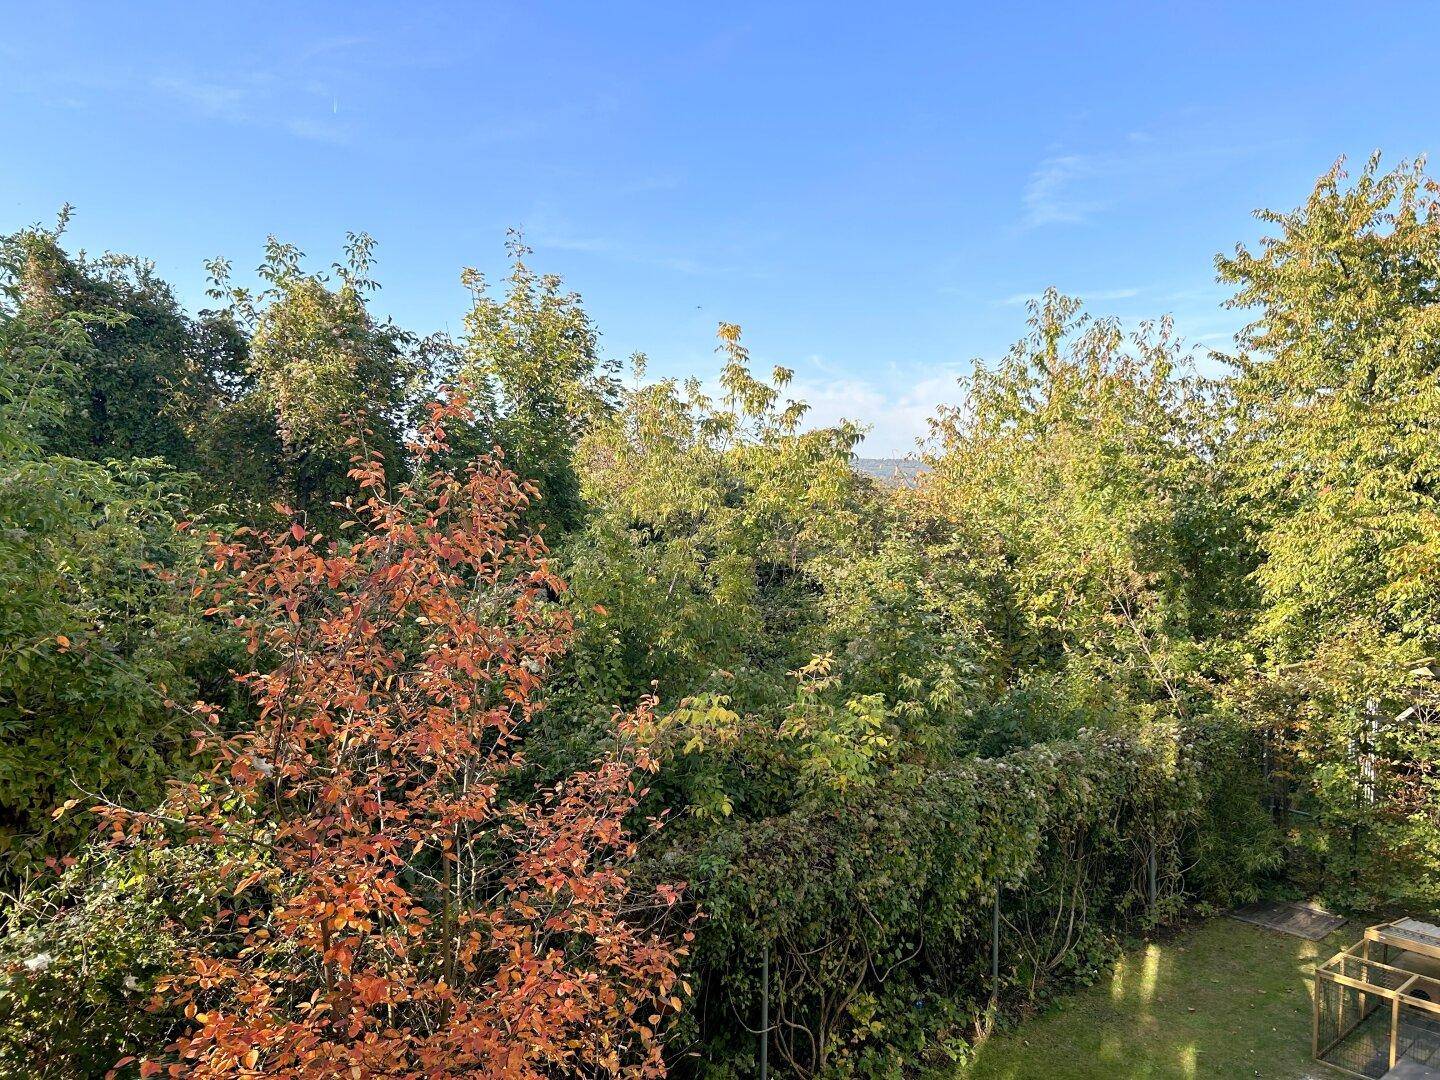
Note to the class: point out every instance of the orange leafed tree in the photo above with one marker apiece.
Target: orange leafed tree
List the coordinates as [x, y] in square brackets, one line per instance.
[398, 902]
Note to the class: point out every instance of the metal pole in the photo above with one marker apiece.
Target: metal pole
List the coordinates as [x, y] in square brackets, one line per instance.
[765, 1013]
[1154, 888]
[995, 946]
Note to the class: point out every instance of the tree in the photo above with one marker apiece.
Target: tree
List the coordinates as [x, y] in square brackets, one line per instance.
[320, 371]
[144, 380]
[705, 519]
[705, 515]
[95, 633]
[532, 358]
[393, 905]
[131, 380]
[1337, 467]
[1074, 527]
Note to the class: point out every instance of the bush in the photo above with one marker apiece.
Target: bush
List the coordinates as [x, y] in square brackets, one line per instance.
[80, 955]
[877, 909]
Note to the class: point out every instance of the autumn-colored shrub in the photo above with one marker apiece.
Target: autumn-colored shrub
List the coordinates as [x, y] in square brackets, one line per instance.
[394, 903]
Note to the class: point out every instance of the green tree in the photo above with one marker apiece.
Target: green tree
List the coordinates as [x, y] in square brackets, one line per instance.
[95, 633]
[531, 365]
[695, 573]
[1080, 537]
[322, 373]
[134, 377]
[1337, 465]
[144, 379]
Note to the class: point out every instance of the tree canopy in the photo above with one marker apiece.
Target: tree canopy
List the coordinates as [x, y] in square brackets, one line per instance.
[348, 674]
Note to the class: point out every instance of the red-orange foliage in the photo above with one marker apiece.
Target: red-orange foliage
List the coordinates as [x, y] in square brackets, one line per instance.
[392, 909]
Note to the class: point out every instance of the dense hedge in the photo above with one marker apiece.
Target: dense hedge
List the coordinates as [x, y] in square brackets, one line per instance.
[877, 913]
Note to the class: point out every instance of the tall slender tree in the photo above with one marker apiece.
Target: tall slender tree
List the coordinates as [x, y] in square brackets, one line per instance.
[532, 356]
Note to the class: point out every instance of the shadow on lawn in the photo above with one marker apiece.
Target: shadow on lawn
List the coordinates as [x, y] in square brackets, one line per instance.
[1224, 1000]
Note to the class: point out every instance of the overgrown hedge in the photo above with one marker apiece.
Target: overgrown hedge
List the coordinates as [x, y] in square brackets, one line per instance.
[877, 913]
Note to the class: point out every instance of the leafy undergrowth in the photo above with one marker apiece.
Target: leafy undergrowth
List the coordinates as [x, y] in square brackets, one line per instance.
[1223, 1000]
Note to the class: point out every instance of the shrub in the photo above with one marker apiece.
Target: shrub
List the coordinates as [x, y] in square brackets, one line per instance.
[385, 906]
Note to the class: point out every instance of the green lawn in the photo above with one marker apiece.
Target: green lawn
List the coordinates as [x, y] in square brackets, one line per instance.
[1223, 1000]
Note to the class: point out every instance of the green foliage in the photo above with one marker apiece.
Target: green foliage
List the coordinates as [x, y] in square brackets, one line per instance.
[842, 745]
[95, 638]
[877, 909]
[79, 957]
[125, 386]
[531, 365]
[96, 630]
[1075, 491]
[39, 342]
[1337, 468]
[323, 374]
[1336, 398]
[704, 520]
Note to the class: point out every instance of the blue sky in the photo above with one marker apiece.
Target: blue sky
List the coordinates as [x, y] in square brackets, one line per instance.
[870, 190]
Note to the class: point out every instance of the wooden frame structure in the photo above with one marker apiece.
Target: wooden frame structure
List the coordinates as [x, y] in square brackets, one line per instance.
[1354, 1031]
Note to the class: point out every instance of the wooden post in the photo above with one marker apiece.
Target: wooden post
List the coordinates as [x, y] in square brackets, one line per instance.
[765, 1013]
[1394, 1029]
[1315, 1027]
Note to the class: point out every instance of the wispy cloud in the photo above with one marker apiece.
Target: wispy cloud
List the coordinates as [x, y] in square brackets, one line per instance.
[327, 46]
[262, 100]
[1075, 187]
[819, 363]
[1088, 295]
[547, 230]
[1050, 197]
[210, 99]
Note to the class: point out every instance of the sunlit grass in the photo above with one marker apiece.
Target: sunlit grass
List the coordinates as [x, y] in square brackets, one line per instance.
[1223, 1000]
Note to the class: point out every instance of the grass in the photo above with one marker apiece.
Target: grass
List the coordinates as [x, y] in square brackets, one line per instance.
[1225, 999]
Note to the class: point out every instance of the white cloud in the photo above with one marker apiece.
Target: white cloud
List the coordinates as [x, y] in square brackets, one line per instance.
[896, 411]
[1050, 198]
[263, 101]
[210, 99]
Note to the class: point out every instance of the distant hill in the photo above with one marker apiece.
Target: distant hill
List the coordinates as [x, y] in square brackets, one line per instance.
[890, 470]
